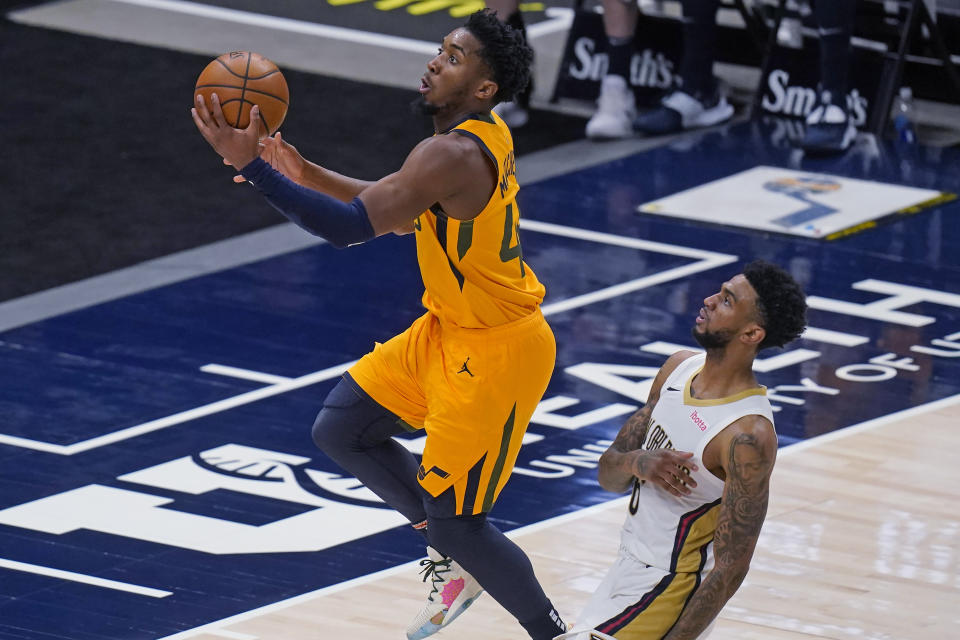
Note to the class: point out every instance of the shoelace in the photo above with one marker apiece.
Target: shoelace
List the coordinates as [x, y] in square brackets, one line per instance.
[433, 570]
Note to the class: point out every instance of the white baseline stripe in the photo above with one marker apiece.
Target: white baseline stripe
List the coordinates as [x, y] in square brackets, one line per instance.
[183, 416]
[839, 434]
[834, 337]
[85, 579]
[561, 519]
[243, 374]
[560, 20]
[287, 24]
[635, 285]
[233, 635]
[618, 241]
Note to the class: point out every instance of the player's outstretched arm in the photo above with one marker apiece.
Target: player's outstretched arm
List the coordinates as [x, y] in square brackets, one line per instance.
[237, 148]
[284, 157]
[748, 452]
[624, 460]
[439, 169]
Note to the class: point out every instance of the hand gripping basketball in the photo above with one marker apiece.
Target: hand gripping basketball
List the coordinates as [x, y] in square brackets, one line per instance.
[237, 146]
[242, 79]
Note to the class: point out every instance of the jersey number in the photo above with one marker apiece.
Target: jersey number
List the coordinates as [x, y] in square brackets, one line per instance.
[508, 253]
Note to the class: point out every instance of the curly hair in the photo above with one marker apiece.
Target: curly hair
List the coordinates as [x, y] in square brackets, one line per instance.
[505, 52]
[781, 303]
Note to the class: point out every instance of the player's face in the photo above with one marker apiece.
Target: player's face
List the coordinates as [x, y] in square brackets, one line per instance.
[726, 313]
[453, 74]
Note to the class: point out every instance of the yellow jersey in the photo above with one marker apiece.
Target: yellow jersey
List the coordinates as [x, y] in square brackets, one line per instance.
[473, 270]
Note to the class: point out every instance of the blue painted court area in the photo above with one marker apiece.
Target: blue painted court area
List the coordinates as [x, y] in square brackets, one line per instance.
[157, 469]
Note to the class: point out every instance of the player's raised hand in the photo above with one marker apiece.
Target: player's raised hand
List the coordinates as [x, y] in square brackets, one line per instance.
[668, 469]
[281, 155]
[237, 146]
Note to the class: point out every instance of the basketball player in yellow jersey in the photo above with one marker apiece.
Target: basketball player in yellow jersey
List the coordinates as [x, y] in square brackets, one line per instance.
[472, 369]
[698, 457]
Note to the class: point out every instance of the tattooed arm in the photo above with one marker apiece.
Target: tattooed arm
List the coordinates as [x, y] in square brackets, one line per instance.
[624, 460]
[747, 454]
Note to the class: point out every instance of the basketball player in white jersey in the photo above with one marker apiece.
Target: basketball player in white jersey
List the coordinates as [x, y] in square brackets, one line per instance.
[698, 456]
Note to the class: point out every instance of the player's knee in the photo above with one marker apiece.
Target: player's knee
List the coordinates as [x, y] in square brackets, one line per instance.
[456, 535]
[351, 422]
[338, 424]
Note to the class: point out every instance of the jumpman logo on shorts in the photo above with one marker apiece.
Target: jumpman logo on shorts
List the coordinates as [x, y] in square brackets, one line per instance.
[464, 368]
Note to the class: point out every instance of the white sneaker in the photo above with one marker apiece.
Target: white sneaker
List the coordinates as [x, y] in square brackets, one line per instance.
[452, 591]
[679, 111]
[830, 128]
[513, 114]
[616, 110]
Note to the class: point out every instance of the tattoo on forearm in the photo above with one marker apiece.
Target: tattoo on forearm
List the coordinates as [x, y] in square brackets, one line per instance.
[742, 512]
[634, 430]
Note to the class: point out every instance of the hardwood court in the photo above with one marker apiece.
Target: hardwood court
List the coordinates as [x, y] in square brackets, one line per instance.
[860, 542]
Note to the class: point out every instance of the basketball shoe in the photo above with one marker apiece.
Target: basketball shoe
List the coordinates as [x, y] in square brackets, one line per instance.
[615, 111]
[452, 591]
[830, 128]
[680, 110]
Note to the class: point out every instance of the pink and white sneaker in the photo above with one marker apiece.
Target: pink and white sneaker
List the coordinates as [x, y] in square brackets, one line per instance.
[453, 590]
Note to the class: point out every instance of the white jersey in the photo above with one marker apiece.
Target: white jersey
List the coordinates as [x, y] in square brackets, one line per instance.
[675, 533]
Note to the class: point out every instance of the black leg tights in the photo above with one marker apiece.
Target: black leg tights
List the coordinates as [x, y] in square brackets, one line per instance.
[356, 433]
[501, 567]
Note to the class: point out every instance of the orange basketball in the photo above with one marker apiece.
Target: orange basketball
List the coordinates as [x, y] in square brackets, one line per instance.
[242, 79]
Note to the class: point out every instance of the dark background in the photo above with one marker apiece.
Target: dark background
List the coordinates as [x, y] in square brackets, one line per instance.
[103, 168]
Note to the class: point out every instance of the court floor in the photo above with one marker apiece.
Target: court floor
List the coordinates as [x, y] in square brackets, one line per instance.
[158, 474]
[157, 477]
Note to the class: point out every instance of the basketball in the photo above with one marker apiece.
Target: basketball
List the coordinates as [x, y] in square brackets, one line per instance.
[242, 79]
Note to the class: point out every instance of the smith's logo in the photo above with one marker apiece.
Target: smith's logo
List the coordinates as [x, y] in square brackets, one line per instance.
[697, 420]
[798, 101]
[648, 68]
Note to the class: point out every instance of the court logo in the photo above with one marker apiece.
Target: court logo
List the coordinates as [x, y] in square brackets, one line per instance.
[793, 202]
[335, 509]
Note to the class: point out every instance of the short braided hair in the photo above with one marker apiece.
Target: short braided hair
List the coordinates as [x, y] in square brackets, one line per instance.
[505, 52]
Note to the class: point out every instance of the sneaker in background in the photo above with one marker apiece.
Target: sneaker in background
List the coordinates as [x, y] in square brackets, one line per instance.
[513, 114]
[615, 112]
[830, 128]
[679, 111]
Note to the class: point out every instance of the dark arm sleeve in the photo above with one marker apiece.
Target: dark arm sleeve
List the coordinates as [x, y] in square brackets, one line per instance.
[341, 224]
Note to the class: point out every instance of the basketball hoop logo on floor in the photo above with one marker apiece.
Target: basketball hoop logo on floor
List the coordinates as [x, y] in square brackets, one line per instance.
[794, 202]
[332, 509]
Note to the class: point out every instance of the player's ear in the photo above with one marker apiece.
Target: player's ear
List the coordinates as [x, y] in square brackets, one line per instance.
[487, 90]
[753, 334]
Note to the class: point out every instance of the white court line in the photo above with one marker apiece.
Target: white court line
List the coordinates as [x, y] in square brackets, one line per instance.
[233, 635]
[183, 416]
[280, 384]
[244, 374]
[85, 579]
[559, 19]
[558, 520]
[868, 425]
[290, 25]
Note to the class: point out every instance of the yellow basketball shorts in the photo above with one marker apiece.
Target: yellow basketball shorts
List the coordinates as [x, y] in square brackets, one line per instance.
[472, 390]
